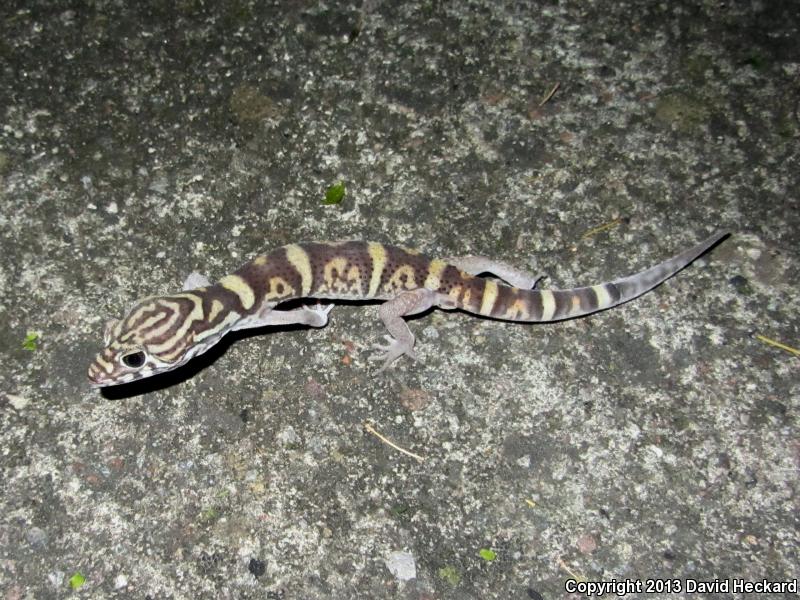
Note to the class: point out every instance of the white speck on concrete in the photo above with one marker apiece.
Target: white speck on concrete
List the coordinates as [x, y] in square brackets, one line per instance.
[288, 436]
[401, 565]
[18, 402]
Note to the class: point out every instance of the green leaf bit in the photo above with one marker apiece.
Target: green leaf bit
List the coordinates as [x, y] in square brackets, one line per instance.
[334, 194]
[487, 554]
[76, 581]
[30, 341]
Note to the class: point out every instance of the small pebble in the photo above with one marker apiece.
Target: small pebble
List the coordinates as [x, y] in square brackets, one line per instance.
[120, 581]
[401, 565]
[36, 537]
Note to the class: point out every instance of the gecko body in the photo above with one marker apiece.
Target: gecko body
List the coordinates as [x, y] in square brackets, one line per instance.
[161, 333]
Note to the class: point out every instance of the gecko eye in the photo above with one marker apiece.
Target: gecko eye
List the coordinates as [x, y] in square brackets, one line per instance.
[133, 360]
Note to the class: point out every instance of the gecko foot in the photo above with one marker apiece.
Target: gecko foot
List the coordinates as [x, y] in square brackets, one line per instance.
[390, 352]
[317, 315]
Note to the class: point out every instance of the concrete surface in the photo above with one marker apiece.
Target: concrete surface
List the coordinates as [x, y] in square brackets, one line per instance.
[656, 440]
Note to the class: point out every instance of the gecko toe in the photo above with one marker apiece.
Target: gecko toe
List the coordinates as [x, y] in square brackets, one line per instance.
[388, 353]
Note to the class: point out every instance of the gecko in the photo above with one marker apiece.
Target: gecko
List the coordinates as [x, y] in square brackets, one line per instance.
[161, 333]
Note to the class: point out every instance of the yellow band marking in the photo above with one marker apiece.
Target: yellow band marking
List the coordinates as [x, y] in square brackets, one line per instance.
[299, 259]
[339, 278]
[518, 310]
[548, 304]
[112, 329]
[152, 320]
[107, 366]
[576, 305]
[196, 314]
[159, 307]
[241, 288]
[223, 325]
[396, 280]
[216, 308]
[135, 316]
[333, 281]
[279, 288]
[354, 279]
[603, 297]
[434, 278]
[173, 313]
[454, 294]
[175, 352]
[378, 255]
[466, 299]
[489, 298]
[260, 260]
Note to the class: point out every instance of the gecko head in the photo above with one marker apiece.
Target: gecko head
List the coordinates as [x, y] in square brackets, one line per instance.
[152, 338]
[118, 364]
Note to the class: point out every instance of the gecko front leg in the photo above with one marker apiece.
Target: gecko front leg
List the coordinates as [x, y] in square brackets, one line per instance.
[313, 316]
[400, 339]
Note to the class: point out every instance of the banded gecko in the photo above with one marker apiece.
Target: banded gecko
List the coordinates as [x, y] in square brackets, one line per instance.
[161, 333]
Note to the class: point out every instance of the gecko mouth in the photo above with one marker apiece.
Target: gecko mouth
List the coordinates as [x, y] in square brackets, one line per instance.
[98, 378]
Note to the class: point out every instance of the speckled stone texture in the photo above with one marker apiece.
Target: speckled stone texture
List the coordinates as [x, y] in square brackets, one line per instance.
[142, 141]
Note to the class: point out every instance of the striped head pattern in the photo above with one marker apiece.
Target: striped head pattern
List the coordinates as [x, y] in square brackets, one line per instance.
[156, 335]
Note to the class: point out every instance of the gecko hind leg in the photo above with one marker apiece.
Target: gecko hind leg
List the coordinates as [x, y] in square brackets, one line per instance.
[475, 265]
[400, 339]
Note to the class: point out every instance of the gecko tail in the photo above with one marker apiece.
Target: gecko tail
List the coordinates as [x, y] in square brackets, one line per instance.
[542, 306]
[634, 286]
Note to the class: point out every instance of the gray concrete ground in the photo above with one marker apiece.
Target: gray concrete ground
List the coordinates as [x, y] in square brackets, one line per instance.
[657, 441]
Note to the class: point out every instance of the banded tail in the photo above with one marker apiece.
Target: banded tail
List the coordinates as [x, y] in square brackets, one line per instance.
[538, 306]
